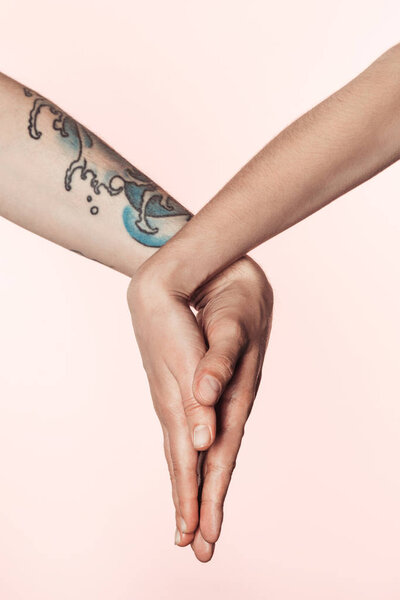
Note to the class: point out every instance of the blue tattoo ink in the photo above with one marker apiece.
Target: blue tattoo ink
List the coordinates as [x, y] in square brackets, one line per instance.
[151, 211]
[130, 219]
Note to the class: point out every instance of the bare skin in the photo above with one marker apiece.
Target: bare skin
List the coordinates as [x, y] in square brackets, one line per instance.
[342, 142]
[339, 144]
[60, 181]
[234, 314]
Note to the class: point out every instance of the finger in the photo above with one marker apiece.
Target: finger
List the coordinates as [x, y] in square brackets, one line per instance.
[184, 463]
[202, 549]
[181, 539]
[201, 421]
[233, 411]
[226, 340]
[182, 457]
[182, 363]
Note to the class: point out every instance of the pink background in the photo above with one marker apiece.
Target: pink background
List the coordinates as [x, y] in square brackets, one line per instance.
[188, 92]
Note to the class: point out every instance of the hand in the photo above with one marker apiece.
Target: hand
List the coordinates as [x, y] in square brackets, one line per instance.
[193, 364]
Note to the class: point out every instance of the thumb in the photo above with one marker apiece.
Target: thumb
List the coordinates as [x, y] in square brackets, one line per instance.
[182, 359]
[226, 341]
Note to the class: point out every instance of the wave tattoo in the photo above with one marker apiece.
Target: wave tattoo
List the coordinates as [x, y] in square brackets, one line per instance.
[151, 216]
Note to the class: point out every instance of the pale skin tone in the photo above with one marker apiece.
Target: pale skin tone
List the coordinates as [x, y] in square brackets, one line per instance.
[62, 182]
[342, 142]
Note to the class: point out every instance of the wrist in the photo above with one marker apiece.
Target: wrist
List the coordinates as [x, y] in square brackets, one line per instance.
[172, 270]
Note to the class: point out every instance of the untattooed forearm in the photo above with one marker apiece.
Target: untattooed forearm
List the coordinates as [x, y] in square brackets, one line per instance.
[342, 142]
[64, 183]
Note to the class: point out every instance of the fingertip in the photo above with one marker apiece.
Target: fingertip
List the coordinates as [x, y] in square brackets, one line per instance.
[188, 522]
[204, 557]
[203, 437]
[183, 539]
[210, 536]
[202, 549]
[207, 389]
[178, 537]
[211, 517]
[210, 525]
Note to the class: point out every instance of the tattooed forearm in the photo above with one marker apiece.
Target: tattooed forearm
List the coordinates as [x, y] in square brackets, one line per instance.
[149, 213]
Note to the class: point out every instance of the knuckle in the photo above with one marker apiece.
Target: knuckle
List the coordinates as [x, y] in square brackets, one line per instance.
[191, 406]
[182, 474]
[231, 328]
[186, 500]
[234, 329]
[178, 472]
[177, 469]
[225, 365]
[221, 469]
[215, 502]
[172, 414]
[242, 403]
[234, 425]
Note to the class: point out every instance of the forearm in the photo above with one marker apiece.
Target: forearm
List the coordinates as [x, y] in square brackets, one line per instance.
[340, 143]
[62, 182]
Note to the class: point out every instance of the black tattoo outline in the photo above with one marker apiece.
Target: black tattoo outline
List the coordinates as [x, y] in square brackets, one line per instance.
[141, 192]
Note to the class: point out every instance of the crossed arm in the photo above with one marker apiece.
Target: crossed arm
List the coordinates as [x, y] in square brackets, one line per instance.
[216, 360]
[345, 140]
[64, 183]
[339, 144]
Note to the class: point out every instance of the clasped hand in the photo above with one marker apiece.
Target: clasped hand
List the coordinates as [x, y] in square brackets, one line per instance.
[203, 371]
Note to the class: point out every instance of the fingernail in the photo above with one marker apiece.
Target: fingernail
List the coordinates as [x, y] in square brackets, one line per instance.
[201, 436]
[209, 388]
[177, 536]
[183, 525]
